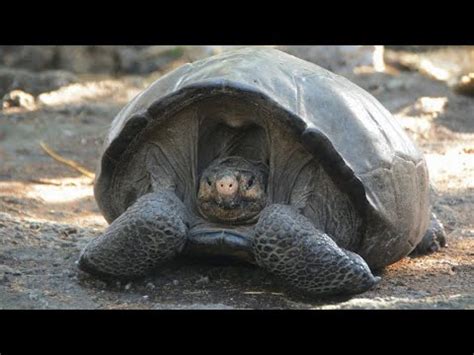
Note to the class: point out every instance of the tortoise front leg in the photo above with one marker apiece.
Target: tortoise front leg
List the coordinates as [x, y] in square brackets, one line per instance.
[287, 244]
[150, 232]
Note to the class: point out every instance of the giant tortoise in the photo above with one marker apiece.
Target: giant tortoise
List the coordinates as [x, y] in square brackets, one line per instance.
[259, 156]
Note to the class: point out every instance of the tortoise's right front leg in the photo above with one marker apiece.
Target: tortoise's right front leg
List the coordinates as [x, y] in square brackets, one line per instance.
[150, 232]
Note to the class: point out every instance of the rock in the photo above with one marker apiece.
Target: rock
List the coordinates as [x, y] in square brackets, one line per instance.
[464, 85]
[34, 225]
[18, 98]
[175, 282]
[69, 230]
[34, 295]
[33, 83]
[128, 286]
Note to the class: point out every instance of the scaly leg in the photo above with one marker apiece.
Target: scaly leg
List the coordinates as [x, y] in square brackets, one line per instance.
[287, 244]
[150, 232]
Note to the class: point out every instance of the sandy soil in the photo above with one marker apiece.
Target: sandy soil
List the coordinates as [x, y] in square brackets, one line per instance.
[48, 212]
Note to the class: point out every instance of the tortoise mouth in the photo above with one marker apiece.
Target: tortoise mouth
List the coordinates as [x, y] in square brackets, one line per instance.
[230, 212]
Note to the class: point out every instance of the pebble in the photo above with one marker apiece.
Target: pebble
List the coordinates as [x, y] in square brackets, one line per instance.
[34, 296]
[34, 225]
[150, 286]
[128, 286]
[175, 282]
[70, 230]
[18, 98]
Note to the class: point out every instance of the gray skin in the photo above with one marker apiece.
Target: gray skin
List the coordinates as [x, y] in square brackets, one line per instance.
[338, 189]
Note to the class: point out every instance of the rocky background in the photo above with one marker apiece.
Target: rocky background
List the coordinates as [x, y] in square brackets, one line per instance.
[66, 97]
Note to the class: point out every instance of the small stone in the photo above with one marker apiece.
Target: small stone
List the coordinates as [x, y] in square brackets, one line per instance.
[145, 297]
[464, 85]
[34, 225]
[175, 282]
[18, 98]
[69, 230]
[150, 286]
[128, 286]
[34, 296]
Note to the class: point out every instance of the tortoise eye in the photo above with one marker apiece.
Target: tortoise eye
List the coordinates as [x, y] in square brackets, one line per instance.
[208, 181]
[250, 182]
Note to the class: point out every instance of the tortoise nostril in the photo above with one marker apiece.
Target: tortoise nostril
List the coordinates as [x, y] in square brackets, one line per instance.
[227, 186]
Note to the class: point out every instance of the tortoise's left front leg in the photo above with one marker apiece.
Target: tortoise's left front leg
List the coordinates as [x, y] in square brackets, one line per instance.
[287, 244]
[433, 240]
[151, 231]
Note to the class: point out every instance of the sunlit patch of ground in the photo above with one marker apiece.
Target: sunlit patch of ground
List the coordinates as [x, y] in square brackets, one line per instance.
[63, 200]
[444, 64]
[452, 165]
[115, 90]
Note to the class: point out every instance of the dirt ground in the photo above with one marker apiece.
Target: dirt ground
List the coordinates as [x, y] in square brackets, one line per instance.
[48, 212]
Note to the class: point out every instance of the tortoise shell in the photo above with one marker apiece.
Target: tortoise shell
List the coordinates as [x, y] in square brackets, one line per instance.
[358, 141]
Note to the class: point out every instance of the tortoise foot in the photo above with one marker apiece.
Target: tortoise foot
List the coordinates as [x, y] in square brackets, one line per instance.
[151, 231]
[288, 245]
[433, 240]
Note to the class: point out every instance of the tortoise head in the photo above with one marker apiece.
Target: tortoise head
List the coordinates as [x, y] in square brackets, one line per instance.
[232, 190]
